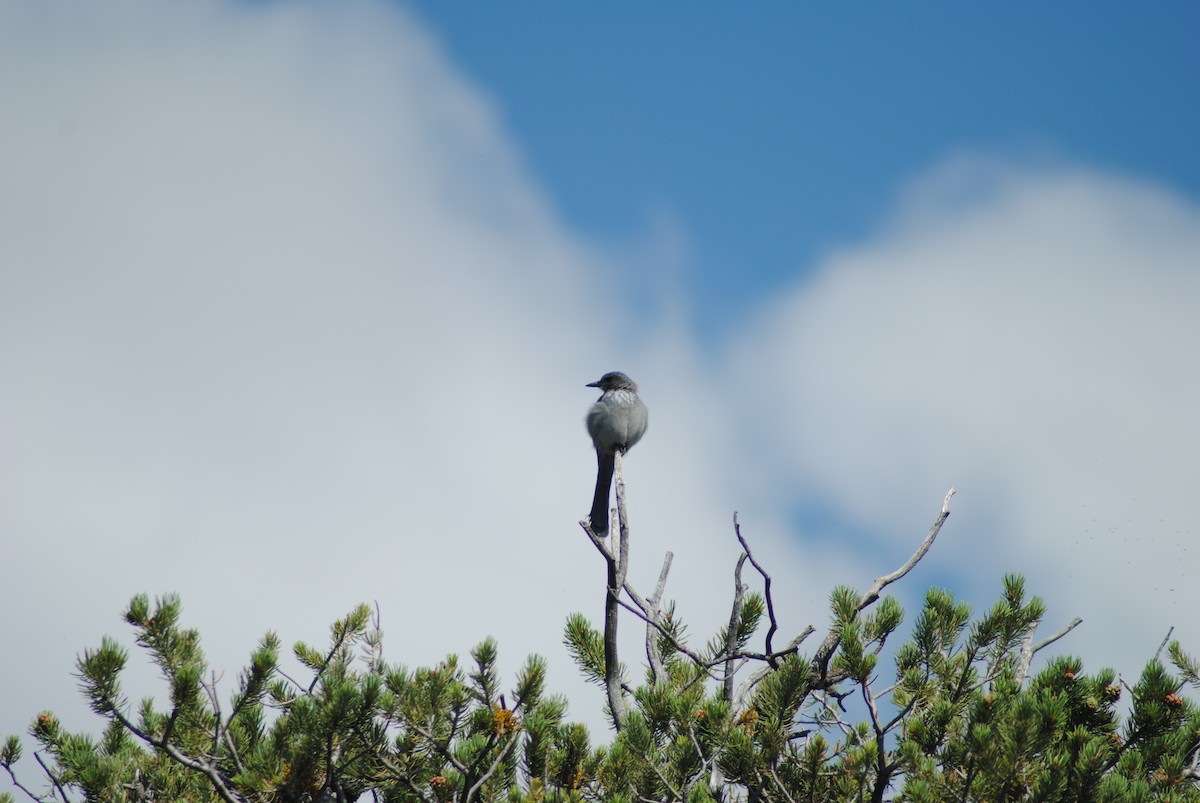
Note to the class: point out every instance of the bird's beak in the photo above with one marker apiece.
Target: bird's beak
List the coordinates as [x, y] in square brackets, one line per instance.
[595, 384]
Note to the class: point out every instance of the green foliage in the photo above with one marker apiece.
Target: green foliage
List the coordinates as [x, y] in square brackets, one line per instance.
[356, 725]
[959, 719]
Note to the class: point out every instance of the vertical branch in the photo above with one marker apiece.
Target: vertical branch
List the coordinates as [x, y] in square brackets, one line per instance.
[1025, 657]
[622, 521]
[618, 565]
[731, 634]
[654, 617]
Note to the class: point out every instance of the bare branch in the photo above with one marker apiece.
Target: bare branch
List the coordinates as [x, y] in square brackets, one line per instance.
[1041, 645]
[1165, 640]
[1193, 768]
[1028, 648]
[737, 529]
[885, 581]
[617, 568]
[846, 728]
[596, 540]
[826, 650]
[731, 633]
[654, 623]
[661, 586]
[622, 519]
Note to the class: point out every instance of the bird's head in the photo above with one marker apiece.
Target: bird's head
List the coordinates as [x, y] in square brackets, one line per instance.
[614, 380]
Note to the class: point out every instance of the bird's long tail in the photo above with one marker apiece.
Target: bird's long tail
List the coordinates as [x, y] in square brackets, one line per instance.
[604, 475]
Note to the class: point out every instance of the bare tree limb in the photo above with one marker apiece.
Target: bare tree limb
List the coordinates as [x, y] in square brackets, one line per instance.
[1044, 643]
[1029, 649]
[654, 623]
[596, 540]
[617, 569]
[622, 521]
[731, 633]
[1165, 641]
[737, 529]
[616, 559]
[830, 644]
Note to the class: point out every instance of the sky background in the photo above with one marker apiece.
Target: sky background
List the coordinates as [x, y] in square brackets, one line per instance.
[298, 302]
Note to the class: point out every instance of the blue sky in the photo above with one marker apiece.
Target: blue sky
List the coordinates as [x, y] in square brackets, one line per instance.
[775, 131]
[304, 296]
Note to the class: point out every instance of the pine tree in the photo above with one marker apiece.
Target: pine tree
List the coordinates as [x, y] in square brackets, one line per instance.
[959, 718]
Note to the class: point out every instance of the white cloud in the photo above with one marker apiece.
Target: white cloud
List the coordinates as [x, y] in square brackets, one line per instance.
[285, 326]
[1028, 336]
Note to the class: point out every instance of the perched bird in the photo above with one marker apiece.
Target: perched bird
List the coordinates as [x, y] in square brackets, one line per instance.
[616, 422]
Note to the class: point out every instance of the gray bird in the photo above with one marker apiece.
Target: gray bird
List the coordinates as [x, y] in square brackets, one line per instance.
[616, 422]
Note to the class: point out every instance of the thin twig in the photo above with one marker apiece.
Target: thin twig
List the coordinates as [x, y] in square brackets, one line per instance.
[691, 732]
[1163, 646]
[290, 680]
[846, 728]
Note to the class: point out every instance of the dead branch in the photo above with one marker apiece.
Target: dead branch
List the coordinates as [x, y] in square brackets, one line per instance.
[737, 529]
[827, 648]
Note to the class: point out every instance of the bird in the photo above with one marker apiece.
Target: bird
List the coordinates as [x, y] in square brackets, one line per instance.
[616, 422]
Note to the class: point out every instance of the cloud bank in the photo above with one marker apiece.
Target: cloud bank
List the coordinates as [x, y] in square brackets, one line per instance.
[1027, 336]
[285, 325]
